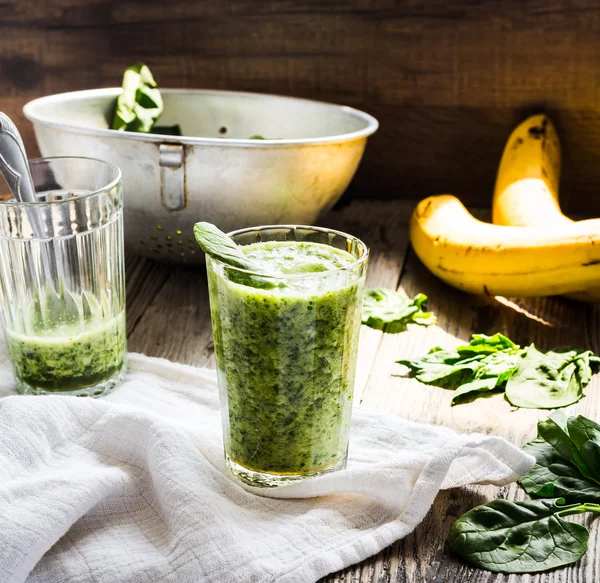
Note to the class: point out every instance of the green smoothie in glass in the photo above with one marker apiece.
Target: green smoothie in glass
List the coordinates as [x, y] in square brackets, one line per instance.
[285, 344]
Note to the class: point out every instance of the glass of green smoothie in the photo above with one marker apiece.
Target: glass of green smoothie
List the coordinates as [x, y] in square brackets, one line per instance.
[286, 338]
[62, 280]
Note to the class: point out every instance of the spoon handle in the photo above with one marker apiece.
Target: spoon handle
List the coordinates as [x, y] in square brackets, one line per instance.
[13, 161]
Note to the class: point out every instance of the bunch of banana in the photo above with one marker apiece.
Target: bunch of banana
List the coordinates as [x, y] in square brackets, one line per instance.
[532, 249]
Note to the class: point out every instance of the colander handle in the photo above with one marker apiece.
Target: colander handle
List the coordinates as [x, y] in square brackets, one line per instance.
[171, 160]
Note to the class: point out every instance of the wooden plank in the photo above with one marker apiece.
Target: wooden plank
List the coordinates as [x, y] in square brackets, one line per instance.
[447, 83]
[176, 324]
[144, 280]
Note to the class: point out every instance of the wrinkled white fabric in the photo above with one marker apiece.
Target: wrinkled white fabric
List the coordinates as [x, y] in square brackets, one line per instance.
[133, 488]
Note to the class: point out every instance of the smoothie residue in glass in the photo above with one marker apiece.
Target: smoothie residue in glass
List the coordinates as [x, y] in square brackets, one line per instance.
[67, 355]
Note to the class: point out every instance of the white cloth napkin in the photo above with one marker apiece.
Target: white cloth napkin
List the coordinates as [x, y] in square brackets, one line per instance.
[133, 488]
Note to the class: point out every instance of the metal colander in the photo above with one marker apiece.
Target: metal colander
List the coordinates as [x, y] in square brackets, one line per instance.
[308, 159]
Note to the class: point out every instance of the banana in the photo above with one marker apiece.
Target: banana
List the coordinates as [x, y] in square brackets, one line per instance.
[491, 259]
[526, 191]
[527, 186]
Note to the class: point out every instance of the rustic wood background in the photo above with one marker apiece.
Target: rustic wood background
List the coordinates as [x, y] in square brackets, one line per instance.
[447, 80]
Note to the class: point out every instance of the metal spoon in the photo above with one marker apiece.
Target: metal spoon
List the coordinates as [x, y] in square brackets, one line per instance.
[16, 172]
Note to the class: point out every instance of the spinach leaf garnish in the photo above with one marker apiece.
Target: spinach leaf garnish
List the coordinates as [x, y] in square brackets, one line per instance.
[140, 104]
[532, 536]
[223, 248]
[387, 310]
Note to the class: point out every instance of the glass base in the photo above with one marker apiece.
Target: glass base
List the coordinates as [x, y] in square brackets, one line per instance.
[97, 390]
[269, 480]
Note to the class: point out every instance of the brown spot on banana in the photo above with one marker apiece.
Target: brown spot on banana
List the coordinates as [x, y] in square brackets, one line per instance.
[538, 132]
[518, 142]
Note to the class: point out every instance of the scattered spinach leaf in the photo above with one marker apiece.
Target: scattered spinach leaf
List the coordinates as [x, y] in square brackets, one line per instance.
[520, 537]
[549, 380]
[387, 310]
[139, 105]
[483, 365]
[528, 537]
[531, 378]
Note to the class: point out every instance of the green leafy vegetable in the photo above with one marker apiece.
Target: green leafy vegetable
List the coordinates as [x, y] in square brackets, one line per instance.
[257, 137]
[531, 378]
[387, 310]
[553, 476]
[549, 380]
[139, 105]
[483, 365]
[520, 537]
[222, 247]
[527, 537]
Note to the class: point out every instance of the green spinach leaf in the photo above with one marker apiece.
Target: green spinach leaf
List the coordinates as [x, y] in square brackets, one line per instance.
[494, 370]
[527, 537]
[553, 476]
[585, 436]
[549, 380]
[222, 247]
[140, 104]
[481, 366]
[387, 310]
[520, 537]
[530, 378]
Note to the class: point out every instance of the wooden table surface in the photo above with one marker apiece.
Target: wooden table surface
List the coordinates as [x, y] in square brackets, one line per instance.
[168, 316]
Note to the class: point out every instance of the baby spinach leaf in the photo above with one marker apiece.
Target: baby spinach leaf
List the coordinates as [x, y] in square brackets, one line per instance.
[387, 310]
[531, 378]
[520, 537]
[549, 380]
[553, 476]
[482, 344]
[472, 390]
[443, 368]
[481, 366]
[494, 370]
[525, 537]
[223, 248]
[585, 436]
[140, 104]
[554, 431]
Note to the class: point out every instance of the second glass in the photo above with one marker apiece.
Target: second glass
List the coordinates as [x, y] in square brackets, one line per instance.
[62, 279]
[286, 350]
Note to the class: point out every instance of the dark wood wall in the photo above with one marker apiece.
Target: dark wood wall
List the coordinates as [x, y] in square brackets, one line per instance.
[446, 79]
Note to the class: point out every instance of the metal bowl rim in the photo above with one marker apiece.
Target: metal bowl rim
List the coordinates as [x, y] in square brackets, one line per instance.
[29, 110]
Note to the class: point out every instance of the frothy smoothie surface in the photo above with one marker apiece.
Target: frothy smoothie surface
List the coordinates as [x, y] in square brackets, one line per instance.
[292, 257]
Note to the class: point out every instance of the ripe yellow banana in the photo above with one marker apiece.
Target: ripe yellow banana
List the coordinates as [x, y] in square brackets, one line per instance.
[526, 192]
[527, 185]
[491, 259]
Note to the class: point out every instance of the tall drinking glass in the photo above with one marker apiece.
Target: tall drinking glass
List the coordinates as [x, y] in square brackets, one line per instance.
[62, 279]
[286, 349]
